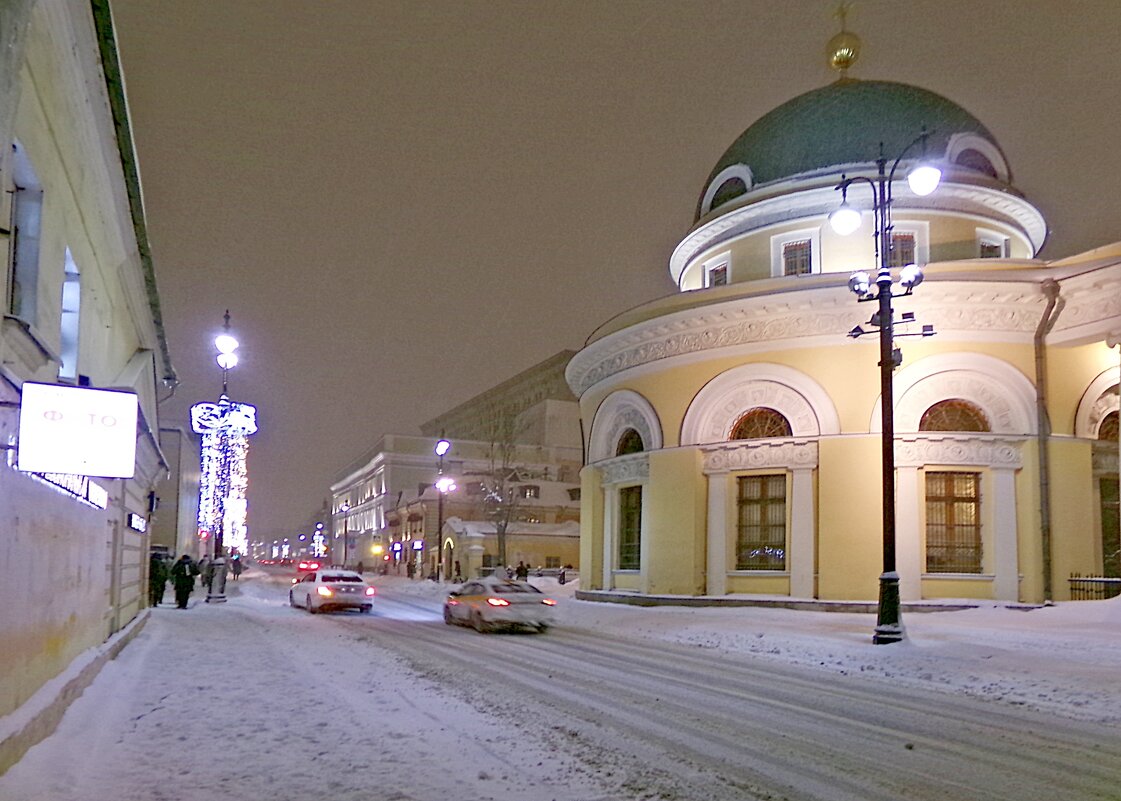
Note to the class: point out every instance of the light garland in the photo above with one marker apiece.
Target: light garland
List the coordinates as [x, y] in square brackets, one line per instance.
[225, 428]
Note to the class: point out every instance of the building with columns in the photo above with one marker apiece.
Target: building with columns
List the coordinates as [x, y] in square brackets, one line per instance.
[735, 427]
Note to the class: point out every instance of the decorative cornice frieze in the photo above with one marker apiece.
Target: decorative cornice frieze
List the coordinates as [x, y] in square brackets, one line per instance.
[759, 455]
[633, 467]
[959, 449]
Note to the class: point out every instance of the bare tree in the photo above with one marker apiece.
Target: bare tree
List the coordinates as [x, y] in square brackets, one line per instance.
[500, 490]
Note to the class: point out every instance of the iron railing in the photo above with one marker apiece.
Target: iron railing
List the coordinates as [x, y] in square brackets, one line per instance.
[1093, 588]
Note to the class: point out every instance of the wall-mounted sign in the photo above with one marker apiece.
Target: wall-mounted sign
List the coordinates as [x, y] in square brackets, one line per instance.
[418, 545]
[137, 522]
[77, 431]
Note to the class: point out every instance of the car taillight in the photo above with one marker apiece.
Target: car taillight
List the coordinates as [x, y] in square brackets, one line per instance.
[326, 592]
[549, 602]
[303, 565]
[498, 602]
[370, 591]
[295, 581]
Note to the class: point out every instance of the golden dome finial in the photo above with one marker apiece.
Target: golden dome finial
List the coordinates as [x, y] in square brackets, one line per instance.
[844, 48]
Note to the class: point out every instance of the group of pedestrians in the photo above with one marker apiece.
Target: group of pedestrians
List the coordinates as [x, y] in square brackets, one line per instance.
[182, 574]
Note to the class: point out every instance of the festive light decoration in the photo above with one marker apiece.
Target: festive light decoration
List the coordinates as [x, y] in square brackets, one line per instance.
[225, 428]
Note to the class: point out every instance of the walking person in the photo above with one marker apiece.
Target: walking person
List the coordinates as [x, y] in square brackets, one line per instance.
[157, 579]
[205, 569]
[521, 572]
[235, 565]
[183, 575]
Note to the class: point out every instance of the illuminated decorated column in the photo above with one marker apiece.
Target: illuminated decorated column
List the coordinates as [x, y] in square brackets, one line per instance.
[225, 428]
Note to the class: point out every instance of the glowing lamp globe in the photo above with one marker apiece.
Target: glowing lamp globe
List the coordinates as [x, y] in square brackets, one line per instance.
[924, 179]
[227, 361]
[225, 343]
[845, 219]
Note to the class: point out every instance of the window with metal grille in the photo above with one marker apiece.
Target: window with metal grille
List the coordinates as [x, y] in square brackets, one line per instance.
[761, 423]
[796, 257]
[761, 529]
[1107, 431]
[902, 249]
[630, 441]
[1111, 526]
[953, 522]
[954, 414]
[718, 276]
[992, 250]
[630, 527]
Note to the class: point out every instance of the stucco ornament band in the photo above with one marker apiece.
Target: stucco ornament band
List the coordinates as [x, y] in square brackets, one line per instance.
[760, 455]
[958, 449]
[631, 468]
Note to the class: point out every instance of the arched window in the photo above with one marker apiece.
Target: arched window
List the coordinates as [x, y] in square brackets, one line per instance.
[954, 414]
[761, 423]
[729, 190]
[629, 442]
[975, 160]
[1107, 431]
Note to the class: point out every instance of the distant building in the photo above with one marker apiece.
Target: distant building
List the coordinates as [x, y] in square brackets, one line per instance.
[174, 524]
[79, 309]
[385, 507]
[734, 429]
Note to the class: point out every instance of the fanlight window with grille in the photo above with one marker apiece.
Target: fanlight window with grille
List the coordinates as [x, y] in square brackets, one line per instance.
[1107, 431]
[954, 414]
[761, 423]
[629, 442]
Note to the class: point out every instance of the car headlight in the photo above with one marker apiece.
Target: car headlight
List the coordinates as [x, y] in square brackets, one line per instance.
[498, 602]
[549, 602]
[370, 591]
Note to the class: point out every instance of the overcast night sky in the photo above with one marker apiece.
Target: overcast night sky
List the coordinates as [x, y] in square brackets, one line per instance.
[404, 203]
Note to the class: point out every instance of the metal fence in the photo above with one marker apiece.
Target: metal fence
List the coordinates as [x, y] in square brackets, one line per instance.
[1093, 588]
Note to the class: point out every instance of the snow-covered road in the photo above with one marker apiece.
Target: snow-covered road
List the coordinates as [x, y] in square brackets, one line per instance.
[255, 700]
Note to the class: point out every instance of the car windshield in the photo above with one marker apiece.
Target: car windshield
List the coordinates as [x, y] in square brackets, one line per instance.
[342, 577]
[503, 589]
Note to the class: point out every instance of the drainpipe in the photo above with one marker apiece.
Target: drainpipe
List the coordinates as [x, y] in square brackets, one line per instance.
[1054, 308]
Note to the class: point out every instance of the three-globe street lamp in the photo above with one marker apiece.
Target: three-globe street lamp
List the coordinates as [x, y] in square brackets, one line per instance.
[345, 509]
[444, 485]
[922, 179]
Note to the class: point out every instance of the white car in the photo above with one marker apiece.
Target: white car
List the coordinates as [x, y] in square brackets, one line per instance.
[325, 589]
[490, 603]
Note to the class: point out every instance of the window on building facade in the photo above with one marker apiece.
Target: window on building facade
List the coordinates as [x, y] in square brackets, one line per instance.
[574, 493]
[552, 562]
[761, 525]
[630, 528]
[975, 160]
[717, 276]
[630, 441]
[953, 522]
[1107, 431]
[954, 414]
[529, 491]
[729, 190]
[761, 423]
[902, 249]
[797, 257]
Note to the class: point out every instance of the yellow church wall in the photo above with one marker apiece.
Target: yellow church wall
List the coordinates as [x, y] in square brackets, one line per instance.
[758, 585]
[1070, 370]
[1073, 514]
[674, 549]
[849, 530]
[591, 529]
[979, 588]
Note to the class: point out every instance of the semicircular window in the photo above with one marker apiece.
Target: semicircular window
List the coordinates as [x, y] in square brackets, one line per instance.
[629, 442]
[954, 414]
[727, 191]
[1107, 431]
[976, 160]
[761, 423]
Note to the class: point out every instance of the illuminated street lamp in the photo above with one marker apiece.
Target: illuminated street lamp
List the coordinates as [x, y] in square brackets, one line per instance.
[923, 179]
[444, 485]
[345, 509]
[225, 427]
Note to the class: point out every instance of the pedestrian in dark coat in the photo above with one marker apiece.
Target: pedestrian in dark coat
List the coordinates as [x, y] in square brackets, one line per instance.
[521, 572]
[157, 579]
[183, 575]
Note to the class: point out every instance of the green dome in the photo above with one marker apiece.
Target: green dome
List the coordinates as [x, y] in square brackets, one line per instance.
[844, 123]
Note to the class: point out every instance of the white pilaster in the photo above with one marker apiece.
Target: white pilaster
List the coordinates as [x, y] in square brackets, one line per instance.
[610, 512]
[1006, 565]
[908, 535]
[801, 557]
[716, 563]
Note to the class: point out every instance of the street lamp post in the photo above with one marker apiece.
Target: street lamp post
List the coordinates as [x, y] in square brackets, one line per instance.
[345, 508]
[225, 427]
[444, 485]
[923, 179]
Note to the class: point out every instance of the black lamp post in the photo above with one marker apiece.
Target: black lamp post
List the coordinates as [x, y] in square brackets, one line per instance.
[923, 180]
[444, 485]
